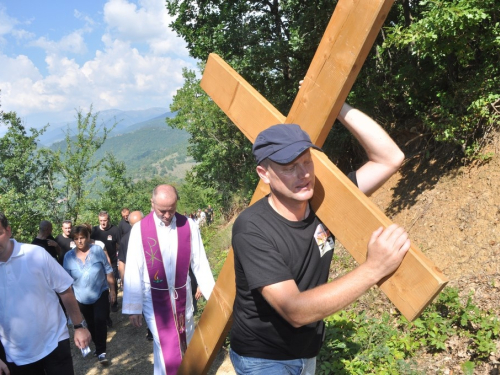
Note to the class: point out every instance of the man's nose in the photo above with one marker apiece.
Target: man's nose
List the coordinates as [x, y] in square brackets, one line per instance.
[302, 171]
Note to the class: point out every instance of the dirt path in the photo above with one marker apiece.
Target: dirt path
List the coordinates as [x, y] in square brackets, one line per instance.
[128, 349]
[131, 353]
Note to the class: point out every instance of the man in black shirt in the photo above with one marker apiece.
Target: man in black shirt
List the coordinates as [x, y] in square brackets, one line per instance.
[282, 251]
[44, 239]
[210, 214]
[134, 217]
[124, 226]
[110, 236]
[64, 239]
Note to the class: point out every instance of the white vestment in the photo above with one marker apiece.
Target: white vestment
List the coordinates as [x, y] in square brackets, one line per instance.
[137, 288]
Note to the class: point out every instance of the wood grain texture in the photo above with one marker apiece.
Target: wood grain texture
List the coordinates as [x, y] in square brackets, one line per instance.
[350, 34]
[352, 217]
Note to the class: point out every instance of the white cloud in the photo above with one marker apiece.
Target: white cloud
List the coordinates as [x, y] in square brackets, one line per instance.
[14, 69]
[84, 17]
[9, 26]
[7, 23]
[21, 34]
[148, 24]
[122, 74]
[73, 43]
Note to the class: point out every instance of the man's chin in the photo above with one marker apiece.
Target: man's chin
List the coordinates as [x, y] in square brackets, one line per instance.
[305, 195]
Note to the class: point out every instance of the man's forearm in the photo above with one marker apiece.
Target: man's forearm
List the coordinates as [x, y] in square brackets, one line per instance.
[301, 308]
[384, 155]
[111, 282]
[386, 250]
[378, 145]
[81, 336]
[121, 270]
[70, 303]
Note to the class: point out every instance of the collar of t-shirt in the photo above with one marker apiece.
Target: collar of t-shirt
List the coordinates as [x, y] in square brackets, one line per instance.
[16, 252]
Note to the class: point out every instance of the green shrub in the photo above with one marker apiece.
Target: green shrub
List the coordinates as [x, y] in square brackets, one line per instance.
[389, 344]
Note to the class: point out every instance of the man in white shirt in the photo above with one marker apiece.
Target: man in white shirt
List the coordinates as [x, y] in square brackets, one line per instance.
[160, 250]
[33, 327]
[203, 217]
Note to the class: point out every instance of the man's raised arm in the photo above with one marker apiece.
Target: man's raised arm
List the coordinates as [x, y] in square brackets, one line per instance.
[384, 155]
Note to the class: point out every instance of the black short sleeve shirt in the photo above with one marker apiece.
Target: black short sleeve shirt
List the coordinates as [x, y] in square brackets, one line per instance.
[269, 249]
[110, 237]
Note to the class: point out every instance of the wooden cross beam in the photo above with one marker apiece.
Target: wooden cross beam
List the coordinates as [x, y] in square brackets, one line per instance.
[344, 209]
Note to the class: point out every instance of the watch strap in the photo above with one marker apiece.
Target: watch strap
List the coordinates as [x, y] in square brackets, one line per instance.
[83, 324]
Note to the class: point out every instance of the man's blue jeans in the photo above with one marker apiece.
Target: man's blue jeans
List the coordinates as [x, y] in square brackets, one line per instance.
[259, 366]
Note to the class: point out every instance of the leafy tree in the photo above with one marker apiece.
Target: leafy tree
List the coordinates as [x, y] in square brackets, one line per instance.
[27, 188]
[270, 43]
[116, 187]
[76, 163]
[222, 152]
[193, 197]
[435, 71]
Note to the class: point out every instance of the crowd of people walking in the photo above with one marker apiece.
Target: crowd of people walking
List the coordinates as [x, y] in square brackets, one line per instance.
[73, 280]
[202, 216]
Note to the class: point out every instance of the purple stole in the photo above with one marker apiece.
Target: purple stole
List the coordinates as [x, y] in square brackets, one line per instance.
[171, 325]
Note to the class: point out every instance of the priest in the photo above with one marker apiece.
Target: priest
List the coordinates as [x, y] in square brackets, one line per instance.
[161, 248]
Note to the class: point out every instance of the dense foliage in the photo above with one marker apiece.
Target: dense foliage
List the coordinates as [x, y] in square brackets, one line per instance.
[27, 191]
[437, 67]
[432, 73]
[270, 43]
[223, 152]
[358, 344]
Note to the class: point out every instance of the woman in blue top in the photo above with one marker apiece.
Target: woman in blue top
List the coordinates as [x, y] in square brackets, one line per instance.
[94, 286]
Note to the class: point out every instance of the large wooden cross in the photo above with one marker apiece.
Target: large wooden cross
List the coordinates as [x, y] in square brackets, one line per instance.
[344, 209]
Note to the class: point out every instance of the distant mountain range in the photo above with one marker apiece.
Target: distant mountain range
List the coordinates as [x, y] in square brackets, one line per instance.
[123, 120]
[142, 139]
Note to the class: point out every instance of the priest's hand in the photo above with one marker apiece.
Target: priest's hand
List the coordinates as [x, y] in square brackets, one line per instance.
[198, 293]
[136, 320]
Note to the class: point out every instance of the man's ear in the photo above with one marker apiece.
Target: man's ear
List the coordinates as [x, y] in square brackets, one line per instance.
[262, 172]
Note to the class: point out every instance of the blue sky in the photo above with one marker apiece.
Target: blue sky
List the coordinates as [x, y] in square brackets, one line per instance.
[56, 56]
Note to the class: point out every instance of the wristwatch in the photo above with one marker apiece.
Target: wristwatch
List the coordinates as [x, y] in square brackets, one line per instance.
[83, 324]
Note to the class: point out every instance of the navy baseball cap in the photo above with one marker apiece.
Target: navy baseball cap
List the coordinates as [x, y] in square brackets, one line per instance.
[281, 143]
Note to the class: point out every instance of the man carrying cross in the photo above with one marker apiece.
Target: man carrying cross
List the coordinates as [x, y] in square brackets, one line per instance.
[282, 251]
[161, 248]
